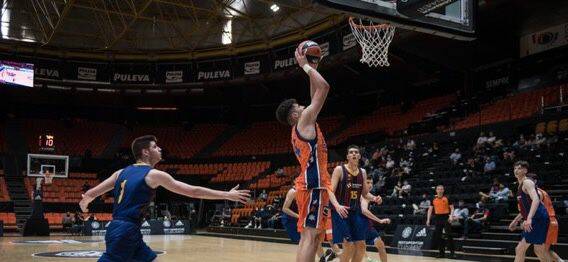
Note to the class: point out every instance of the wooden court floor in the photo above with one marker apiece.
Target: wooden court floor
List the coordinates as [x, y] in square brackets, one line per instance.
[176, 247]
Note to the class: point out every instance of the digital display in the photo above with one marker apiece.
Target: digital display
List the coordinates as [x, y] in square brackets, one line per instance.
[46, 143]
[14, 73]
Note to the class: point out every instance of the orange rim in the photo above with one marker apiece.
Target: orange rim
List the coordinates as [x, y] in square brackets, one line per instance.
[377, 26]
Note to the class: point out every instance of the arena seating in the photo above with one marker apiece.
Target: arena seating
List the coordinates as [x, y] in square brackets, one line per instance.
[193, 169]
[55, 219]
[177, 141]
[72, 137]
[390, 119]
[237, 172]
[264, 138]
[516, 106]
[63, 190]
[9, 219]
[4, 194]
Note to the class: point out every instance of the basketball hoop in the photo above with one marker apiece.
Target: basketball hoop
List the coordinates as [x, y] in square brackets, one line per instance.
[374, 40]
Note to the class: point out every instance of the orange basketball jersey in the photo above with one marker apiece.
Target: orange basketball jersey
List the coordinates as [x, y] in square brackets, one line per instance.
[552, 234]
[312, 155]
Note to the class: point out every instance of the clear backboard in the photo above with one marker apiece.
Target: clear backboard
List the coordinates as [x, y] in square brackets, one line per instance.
[39, 164]
[456, 19]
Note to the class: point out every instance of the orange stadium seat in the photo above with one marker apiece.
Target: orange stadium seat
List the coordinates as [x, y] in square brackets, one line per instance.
[62, 190]
[177, 141]
[72, 139]
[517, 106]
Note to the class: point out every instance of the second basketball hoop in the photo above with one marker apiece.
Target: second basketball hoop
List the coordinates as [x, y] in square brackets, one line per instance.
[374, 40]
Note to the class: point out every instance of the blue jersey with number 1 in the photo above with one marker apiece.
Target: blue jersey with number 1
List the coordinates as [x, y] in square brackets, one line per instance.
[131, 193]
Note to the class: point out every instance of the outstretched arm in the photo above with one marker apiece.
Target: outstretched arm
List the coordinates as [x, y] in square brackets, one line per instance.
[160, 178]
[103, 187]
[366, 212]
[290, 196]
[319, 88]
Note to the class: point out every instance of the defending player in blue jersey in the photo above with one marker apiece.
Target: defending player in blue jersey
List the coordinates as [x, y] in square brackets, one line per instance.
[134, 188]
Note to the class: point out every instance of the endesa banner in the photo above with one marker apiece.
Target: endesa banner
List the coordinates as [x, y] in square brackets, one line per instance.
[277, 59]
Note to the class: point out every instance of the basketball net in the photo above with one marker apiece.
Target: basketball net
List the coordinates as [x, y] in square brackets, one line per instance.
[374, 40]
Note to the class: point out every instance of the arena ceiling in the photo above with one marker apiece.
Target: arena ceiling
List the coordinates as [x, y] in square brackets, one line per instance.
[158, 26]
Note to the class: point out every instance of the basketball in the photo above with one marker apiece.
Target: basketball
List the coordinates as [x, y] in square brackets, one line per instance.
[312, 51]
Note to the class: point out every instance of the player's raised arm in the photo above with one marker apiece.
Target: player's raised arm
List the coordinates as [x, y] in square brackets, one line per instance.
[157, 178]
[366, 212]
[318, 87]
[103, 187]
[290, 196]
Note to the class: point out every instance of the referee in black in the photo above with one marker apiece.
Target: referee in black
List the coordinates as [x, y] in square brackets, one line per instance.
[442, 208]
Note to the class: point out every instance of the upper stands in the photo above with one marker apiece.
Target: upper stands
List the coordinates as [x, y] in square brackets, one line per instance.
[178, 142]
[72, 137]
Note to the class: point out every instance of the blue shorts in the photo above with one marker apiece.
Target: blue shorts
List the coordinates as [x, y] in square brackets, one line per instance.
[539, 230]
[351, 229]
[291, 226]
[372, 236]
[124, 243]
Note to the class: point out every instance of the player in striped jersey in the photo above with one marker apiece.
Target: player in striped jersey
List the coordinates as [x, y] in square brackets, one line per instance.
[313, 188]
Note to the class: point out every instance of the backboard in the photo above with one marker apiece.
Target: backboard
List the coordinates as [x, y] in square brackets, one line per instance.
[455, 20]
[39, 164]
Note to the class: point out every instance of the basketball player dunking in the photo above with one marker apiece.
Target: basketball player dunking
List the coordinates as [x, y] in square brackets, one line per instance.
[313, 188]
[348, 183]
[134, 188]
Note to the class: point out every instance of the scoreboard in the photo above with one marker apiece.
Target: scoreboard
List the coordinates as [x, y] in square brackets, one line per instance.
[46, 143]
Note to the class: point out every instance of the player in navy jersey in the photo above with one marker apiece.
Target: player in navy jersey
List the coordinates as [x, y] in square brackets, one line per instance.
[348, 184]
[535, 227]
[373, 236]
[134, 188]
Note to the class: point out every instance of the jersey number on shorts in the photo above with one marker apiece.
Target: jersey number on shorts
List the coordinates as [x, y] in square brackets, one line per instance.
[122, 186]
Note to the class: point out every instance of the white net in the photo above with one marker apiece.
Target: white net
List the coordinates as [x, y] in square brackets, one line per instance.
[374, 40]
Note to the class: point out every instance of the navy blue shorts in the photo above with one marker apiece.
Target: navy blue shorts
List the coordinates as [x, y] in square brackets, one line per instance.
[539, 230]
[124, 243]
[372, 236]
[291, 226]
[351, 229]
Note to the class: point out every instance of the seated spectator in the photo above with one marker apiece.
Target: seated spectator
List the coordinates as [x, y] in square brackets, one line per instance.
[502, 195]
[476, 221]
[67, 220]
[455, 156]
[390, 163]
[493, 190]
[481, 140]
[263, 196]
[405, 190]
[521, 142]
[424, 205]
[539, 140]
[491, 139]
[410, 145]
[489, 165]
[396, 191]
[460, 215]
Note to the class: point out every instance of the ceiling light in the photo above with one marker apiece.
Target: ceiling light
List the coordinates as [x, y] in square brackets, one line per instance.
[274, 8]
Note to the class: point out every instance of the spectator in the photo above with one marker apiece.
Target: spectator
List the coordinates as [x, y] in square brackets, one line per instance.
[489, 165]
[476, 222]
[481, 140]
[460, 214]
[539, 140]
[397, 190]
[390, 163]
[491, 139]
[455, 156]
[424, 205]
[521, 142]
[406, 188]
[494, 189]
[502, 195]
[263, 195]
[410, 145]
[67, 221]
[86, 187]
